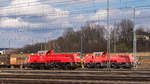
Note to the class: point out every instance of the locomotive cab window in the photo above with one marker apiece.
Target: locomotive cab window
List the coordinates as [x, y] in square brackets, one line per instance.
[42, 52]
[97, 54]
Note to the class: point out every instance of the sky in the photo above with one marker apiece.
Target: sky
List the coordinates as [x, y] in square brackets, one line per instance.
[25, 22]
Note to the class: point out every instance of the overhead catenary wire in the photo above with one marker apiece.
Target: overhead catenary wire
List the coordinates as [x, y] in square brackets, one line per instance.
[110, 9]
[32, 4]
[59, 15]
[54, 14]
[127, 7]
[60, 2]
[38, 29]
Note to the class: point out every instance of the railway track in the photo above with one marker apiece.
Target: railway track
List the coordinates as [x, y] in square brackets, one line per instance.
[111, 77]
[56, 81]
[146, 71]
[74, 77]
[80, 69]
[78, 72]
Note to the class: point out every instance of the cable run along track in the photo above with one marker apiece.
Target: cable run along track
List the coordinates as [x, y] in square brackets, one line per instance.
[75, 77]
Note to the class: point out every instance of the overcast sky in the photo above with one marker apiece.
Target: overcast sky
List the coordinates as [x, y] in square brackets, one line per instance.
[22, 21]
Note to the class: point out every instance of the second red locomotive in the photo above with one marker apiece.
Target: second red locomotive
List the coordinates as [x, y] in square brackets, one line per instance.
[100, 60]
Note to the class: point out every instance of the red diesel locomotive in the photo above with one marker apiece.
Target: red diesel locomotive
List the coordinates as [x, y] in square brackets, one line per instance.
[49, 60]
[100, 60]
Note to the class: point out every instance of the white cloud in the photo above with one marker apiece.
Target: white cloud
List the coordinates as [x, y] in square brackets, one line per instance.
[55, 16]
[114, 14]
[57, 13]
[16, 23]
[77, 1]
[25, 7]
[63, 23]
[79, 19]
[30, 8]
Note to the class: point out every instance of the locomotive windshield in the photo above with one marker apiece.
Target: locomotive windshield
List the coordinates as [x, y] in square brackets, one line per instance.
[97, 54]
[42, 52]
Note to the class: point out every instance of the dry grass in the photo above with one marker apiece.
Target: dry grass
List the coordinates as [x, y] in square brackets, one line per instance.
[143, 54]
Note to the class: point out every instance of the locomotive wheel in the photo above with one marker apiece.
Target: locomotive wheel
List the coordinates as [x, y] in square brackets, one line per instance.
[67, 66]
[42, 66]
[90, 65]
[33, 65]
[103, 65]
[128, 66]
[98, 65]
[123, 65]
[115, 65]
[49, 65]
[58, 66]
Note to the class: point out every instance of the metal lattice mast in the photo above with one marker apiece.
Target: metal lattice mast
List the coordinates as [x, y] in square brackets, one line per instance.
[81, 52]
[108, 41]
[134, 37]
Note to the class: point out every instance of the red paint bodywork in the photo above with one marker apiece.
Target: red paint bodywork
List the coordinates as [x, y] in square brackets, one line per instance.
[100, 57]
[96, 57]
[57, 58]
